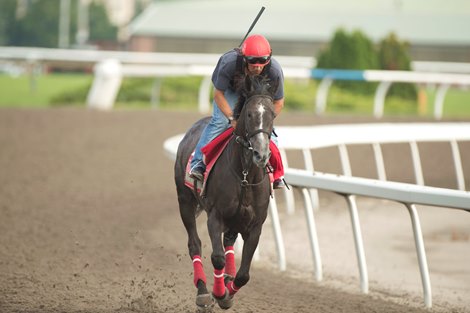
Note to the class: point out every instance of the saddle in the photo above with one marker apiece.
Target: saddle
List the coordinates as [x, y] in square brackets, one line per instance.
[212, 151]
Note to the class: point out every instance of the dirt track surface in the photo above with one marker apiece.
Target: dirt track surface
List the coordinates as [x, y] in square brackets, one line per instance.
[89, 222]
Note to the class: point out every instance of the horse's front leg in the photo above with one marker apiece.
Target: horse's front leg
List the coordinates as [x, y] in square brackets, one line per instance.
[229, 241]
[215, 227]
[251, 241]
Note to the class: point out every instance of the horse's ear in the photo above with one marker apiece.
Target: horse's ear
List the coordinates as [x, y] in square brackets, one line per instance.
[273, 86]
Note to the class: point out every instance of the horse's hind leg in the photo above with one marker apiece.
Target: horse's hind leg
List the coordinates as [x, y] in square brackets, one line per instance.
[188, 215]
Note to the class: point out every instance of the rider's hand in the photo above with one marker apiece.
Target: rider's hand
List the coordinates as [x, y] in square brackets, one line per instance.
[234, 124]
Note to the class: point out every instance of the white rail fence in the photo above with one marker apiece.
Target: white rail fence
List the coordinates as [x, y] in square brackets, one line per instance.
[109, 73]
[112, 66]
[306, 139]
[386, 78]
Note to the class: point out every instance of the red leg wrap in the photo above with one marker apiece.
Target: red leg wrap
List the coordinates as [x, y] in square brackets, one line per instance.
[230, 268]
[198, 270]
[232, 289]
[219, 288]
[276, 161]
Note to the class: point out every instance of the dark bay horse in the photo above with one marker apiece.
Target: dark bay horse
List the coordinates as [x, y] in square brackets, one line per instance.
[236, 196]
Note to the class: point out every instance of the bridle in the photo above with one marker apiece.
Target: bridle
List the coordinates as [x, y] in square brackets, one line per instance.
[244, 140]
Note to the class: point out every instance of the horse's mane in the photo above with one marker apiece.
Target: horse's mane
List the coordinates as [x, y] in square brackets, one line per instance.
[257, 85]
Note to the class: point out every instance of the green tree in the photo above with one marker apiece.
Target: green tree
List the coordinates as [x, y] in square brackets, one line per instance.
[393, 55]
[39, 26]
[7, 19]
[350, 51]
[100, 26]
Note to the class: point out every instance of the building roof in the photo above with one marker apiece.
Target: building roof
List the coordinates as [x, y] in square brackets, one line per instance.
[433, 22]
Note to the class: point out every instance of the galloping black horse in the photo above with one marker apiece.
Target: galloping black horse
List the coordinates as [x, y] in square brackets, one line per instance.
[236, 194]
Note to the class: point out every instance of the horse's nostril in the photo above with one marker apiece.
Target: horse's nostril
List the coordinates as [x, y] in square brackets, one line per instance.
[259, 158]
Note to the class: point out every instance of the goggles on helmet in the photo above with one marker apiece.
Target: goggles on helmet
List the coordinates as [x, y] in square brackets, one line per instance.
[258, 60]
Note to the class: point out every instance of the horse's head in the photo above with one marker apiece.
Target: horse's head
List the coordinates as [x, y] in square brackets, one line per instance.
[255, 115]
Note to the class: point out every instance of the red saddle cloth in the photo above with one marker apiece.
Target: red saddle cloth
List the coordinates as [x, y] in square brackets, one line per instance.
[214, 149]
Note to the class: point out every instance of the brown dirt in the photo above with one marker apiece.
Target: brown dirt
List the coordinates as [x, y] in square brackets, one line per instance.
[89, 222]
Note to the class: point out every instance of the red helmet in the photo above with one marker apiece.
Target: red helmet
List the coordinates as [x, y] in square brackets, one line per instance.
[256, 46]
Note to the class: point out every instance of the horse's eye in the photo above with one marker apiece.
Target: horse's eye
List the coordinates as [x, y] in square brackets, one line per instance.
[249, 115]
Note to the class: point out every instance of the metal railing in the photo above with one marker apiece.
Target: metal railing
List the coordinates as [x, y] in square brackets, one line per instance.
[408, 194]
[342, 136]
[308, 138]
[386, 78]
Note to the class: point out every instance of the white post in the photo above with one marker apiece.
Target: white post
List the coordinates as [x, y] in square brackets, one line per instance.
[345, 164]
[322, 94]
[312, 233]
[281, 251]
[417, 163]
[457, 165]
[309, 167]
[288, 193]
[103, 92]
[379, 99]
[205, 95]
[379, 161]
[358, 243]
[421, 252]
[439, 101]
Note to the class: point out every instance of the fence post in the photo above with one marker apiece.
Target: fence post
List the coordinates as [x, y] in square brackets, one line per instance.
[281, 251]
[358, 243]
[205, 95]
[312, 234]
[379, 99]
[322, 94]
[103, 92]
[421, 252]
[439, 101]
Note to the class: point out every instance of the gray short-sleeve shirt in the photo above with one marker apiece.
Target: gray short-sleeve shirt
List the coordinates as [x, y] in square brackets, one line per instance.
[226, 70]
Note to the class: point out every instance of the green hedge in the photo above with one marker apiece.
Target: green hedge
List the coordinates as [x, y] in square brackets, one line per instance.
[355, 51]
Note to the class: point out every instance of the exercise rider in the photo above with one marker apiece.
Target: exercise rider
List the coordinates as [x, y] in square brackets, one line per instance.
[254, 58]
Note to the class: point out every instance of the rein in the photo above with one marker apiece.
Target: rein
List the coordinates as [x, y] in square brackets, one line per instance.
[245, 143]
[244, 182]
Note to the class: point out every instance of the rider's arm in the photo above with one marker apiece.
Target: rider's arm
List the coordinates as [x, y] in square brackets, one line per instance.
[222, 103]
[278, 105]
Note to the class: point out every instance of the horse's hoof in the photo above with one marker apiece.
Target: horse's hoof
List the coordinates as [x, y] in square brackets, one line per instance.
[226, 301]
[204, 302]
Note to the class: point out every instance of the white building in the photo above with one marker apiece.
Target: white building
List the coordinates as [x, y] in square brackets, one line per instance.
[437, 30]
